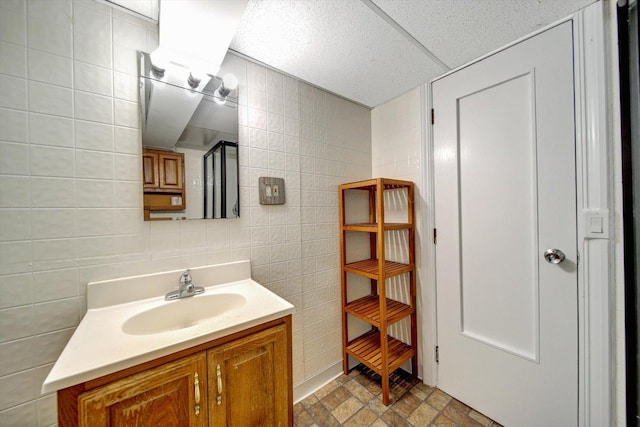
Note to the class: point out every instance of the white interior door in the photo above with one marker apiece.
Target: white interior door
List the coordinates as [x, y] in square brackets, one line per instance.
[505, 192]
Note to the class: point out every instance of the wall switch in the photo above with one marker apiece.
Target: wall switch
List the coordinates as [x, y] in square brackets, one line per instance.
[596, 223]
[271, 191]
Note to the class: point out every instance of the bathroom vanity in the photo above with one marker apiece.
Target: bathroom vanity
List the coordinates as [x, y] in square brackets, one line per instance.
[189, 362]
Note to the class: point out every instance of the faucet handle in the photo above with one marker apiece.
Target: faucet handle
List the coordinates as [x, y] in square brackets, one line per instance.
[186, 277]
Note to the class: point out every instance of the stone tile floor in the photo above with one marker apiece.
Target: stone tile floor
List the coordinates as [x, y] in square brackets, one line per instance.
[356, 400]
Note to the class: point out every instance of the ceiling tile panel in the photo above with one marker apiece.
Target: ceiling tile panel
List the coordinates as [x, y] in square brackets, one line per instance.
[369, 50]
[458, 31]
[339, 45]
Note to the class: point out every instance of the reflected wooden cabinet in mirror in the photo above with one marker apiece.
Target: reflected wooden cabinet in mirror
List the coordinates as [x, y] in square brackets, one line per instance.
[163, 182]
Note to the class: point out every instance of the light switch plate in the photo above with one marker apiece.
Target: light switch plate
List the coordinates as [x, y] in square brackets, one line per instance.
[596, 224]
[271, 191]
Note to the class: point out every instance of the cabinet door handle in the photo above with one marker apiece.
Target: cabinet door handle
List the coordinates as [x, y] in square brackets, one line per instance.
[196, 385]
[219, 374]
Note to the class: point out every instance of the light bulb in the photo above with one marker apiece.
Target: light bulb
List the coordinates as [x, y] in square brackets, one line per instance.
[197, 72]
[230, 81]
[195, 77]
[159, 62]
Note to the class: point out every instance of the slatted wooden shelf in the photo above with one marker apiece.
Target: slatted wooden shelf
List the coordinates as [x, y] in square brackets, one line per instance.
[371, 184]
[370, 268]
[372, 227]
[368, 309]
[366, 348]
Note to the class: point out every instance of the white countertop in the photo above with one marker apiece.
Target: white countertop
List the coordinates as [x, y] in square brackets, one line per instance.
[99, 345]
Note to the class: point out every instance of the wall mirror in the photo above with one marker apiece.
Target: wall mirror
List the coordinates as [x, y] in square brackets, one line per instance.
[190, 142]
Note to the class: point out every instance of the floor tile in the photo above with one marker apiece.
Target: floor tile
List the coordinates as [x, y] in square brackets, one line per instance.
[308, 401]
[438, 399]
[480, 418]
[377, 406]
[303, 419]
[346, 409]
[423, 415]
[336, 397]
[406, 405]
[327, 389]
[392, 418]
[359, 391]
[460, 418]
[364, 417]
[356, 400]
[322, 416]
[443, 421]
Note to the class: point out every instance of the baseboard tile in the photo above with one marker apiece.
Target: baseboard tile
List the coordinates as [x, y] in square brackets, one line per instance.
[316, 382]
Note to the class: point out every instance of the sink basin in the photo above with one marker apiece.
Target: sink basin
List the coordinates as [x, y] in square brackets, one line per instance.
[182, 313]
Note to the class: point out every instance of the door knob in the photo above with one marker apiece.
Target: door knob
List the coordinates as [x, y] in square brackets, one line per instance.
[554, 256]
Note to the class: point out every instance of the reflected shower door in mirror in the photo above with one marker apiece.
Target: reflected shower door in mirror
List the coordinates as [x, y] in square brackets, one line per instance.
[184, 116]
[221, 183]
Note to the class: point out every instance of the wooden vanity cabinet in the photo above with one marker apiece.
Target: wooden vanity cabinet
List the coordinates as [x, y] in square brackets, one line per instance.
[247, 381]
[243, 379]
[171, 395]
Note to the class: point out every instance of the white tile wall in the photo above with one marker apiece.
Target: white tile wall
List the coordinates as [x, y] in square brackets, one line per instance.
[15, 63]
[50, 130]
[48, 99]
[47, 68]
[13, 125]
[71, 199]
[397, 124]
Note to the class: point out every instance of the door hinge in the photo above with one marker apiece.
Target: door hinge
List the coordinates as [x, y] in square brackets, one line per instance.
[435, 236]
[437, 354]
[433, 116]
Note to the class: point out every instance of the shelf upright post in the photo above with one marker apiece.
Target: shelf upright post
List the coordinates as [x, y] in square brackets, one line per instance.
[343, 272]
[412, 279]
[382, 291]
[373, 236]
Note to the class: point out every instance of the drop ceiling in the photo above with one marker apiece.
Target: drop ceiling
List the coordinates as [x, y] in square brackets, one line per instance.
[371, 51]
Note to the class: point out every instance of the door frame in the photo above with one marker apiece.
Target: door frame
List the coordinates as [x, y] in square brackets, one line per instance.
[595, 142]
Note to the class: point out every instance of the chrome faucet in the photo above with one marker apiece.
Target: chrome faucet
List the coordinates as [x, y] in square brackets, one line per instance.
[185, 288]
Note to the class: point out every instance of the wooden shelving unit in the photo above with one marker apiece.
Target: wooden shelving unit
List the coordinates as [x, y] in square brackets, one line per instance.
[376, 348]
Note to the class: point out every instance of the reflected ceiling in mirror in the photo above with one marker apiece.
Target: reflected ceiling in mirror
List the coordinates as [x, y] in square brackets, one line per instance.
[181, 110]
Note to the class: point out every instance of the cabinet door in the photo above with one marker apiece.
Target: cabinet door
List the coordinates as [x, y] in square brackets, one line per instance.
[249, 381]
[150, 177]
[171, 170]
[170, 395]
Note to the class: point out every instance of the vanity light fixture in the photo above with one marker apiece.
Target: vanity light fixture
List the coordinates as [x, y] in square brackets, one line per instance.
[194, 81]
[197, 73]
[159, 63]
[229, 83]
